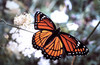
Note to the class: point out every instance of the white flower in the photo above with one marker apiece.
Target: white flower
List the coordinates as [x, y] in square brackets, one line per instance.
[12, 5]
[13, 30]
[13, 8]
[72, 26]
[44, 61]
[28, 52]
[94, 22]
[38, 54]
[55, 62]
[23, 19]
[68, 3]
[12, 45]
[59, 17]
[23, 41]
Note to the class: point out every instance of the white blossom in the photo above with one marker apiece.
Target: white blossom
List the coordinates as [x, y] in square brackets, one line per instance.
[38, 54]
[13, 30]
[55, 62]
[94, 22]
[72, 26]
[23, 39]
[23, 20]
[13, 8]
[44, 61]
[28, 52]
[12, 46]
[12, 5]
[59, 16]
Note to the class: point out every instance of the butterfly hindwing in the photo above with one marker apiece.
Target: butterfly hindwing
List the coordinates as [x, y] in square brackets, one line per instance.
[42, 22]
[72, 45]
[53, 50]
[39, 38]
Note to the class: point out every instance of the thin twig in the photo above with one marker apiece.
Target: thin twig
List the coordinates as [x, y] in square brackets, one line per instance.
[15, 26]
[86, 40]
[73, 60]
[92, 31]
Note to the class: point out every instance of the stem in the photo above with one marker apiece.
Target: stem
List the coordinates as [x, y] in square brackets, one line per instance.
[86, 40]
[73, 60]
[15, 26]
[92, 31]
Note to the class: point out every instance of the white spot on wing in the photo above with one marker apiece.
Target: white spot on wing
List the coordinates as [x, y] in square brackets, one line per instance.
[69, 36]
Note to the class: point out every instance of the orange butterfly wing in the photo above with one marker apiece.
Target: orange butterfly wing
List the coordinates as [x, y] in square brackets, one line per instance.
[53, 50]
[42, 22]
[40, 38]
[72, 45]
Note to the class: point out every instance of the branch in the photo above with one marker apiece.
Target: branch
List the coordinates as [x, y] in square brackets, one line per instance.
[15, 26]
[73, 60]
[86, 40]
[92, 31]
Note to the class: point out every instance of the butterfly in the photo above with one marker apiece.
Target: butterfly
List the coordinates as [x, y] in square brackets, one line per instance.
[52, 42]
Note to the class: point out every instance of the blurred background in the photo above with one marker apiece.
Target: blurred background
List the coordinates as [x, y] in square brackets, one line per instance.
[76, 17]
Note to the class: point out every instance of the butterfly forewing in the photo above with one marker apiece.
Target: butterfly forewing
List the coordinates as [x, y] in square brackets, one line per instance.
[72, 45]
[42, 22]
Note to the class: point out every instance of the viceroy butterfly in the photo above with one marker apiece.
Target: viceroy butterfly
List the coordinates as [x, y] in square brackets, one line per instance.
[52, 42]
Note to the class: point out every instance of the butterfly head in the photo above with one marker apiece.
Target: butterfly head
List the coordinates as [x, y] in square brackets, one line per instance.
[58, 30]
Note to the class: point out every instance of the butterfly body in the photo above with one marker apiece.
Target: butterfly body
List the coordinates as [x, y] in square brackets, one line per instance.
[54, 34]
[52, 42]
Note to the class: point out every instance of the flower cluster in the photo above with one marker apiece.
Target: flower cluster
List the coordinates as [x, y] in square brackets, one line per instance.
[23, 20]
[21, 39]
